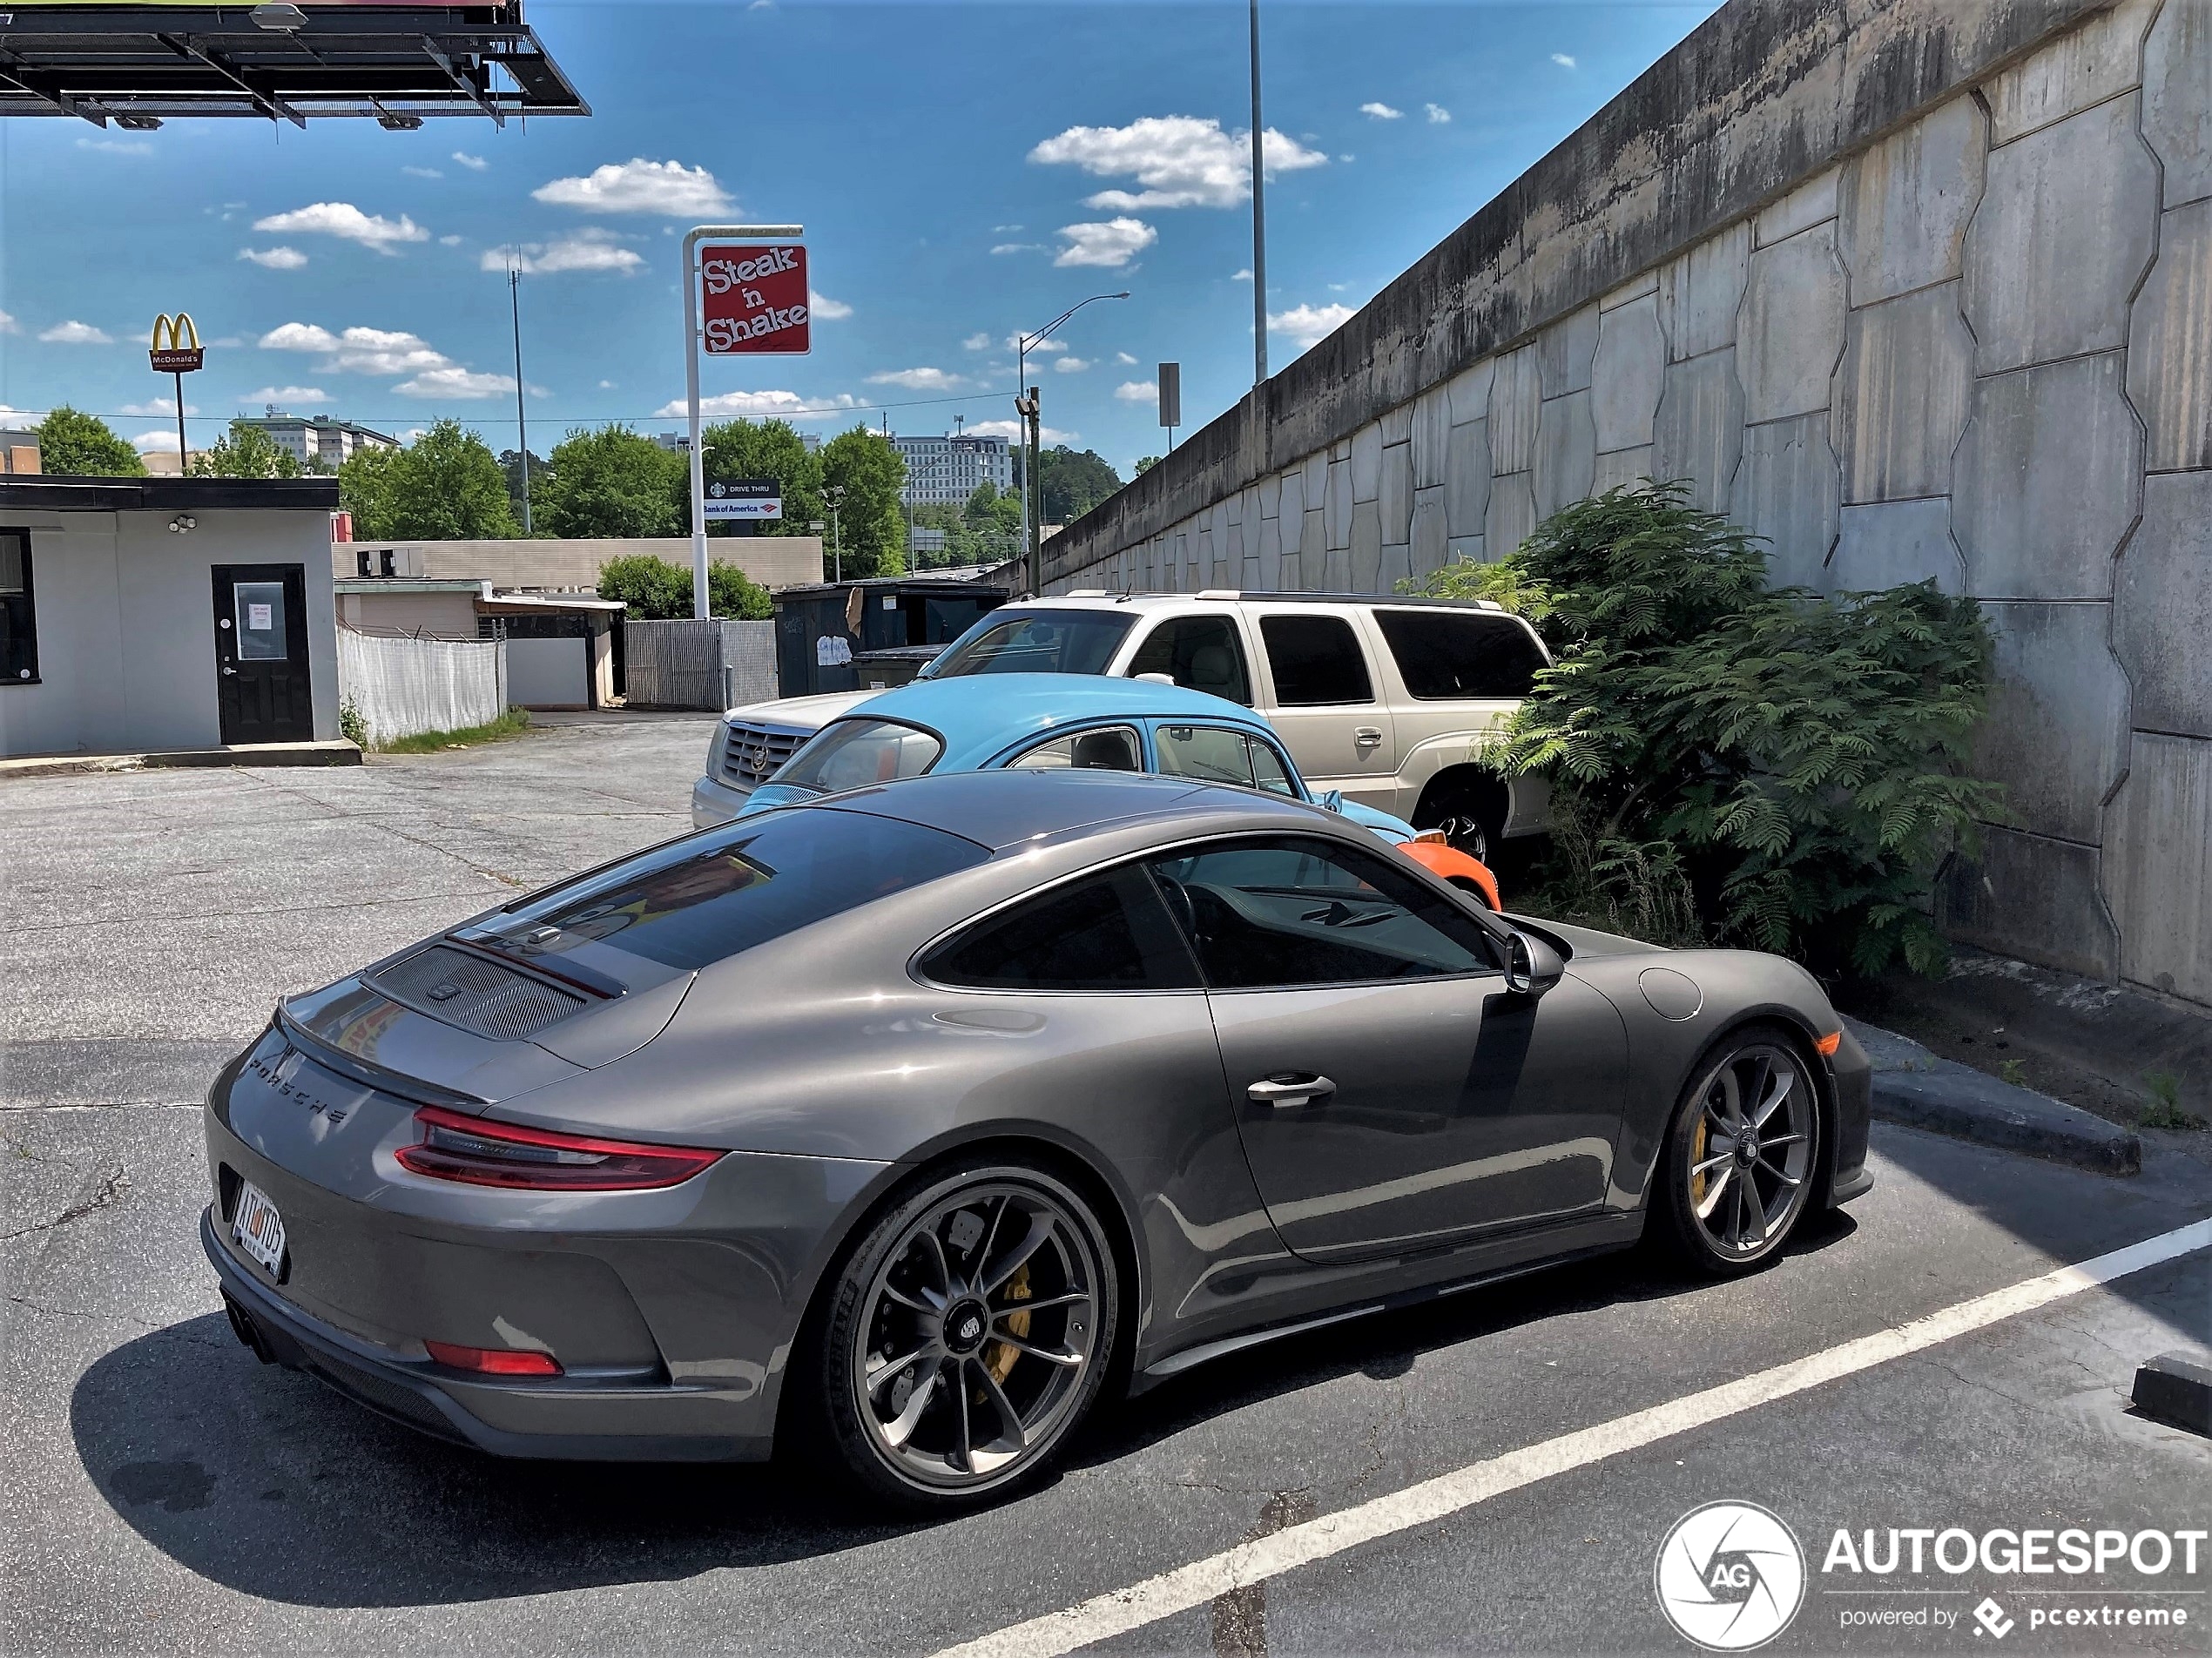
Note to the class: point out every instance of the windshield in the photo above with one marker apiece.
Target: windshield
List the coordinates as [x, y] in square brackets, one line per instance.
[707, 897]
[860, 753]
[1079, 642]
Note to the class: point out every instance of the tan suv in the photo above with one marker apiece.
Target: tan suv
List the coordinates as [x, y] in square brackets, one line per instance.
[1390, 700]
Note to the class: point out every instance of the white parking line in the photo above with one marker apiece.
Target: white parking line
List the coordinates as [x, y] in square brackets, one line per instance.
[1107, 1615]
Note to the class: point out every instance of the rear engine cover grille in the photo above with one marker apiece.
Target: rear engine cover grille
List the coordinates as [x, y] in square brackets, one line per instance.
[752, 754]
[457, 988]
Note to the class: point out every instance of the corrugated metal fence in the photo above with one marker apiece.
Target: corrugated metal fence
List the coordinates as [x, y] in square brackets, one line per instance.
[698, 664]
[404, 685]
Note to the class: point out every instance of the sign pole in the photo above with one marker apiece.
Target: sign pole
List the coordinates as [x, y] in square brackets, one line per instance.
[692, 340]
[178, 375]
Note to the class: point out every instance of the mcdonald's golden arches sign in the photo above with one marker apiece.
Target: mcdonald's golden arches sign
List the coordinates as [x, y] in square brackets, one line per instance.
[170, 355]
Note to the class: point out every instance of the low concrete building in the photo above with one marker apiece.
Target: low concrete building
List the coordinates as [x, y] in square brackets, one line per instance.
[572, 566]
[145, 614]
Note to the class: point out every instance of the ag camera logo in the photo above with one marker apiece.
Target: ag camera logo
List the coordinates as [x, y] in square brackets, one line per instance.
[1729, 1576]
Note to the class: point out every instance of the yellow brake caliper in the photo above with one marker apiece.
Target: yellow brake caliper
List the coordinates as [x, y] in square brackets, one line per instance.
[1000, 1360]
[1696, 1156]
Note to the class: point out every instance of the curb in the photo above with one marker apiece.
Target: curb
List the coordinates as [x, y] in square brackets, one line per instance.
[2178, 1389]
[1913, 1087]
[335, 751]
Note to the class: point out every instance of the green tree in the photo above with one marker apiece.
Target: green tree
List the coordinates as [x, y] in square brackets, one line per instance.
[747, 449]
[656, 589]
[1793, 762]
[863, 475]
[1144, 464]
[511, 465]
[245, 451]
[1073, 482]
[445, 486]
[611, 481]
[72, 441]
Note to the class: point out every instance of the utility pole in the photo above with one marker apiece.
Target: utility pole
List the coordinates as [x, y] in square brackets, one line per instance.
[521, 432]
[1259, 221]
[1023, 345]
[1033, 521]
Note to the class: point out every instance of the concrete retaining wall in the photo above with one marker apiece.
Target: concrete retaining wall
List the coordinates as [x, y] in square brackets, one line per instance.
[1911, 288]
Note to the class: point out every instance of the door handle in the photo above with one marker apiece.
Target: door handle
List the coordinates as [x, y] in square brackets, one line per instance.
[1367, 736]
[1292, 1088]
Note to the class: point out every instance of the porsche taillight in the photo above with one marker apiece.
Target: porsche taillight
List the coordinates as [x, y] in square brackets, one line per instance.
[482, 1153]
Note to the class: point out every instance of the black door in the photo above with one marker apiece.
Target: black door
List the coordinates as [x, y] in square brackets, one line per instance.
[262, 683]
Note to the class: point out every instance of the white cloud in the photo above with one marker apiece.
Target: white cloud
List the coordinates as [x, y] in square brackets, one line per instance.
[783, 406]
[590, 249]
[918, 379]
[1112, 244]
[1306, 324]
[422, 173]
[1381, 111]
[1245, 275]
[1562, 60]
[827, 309]
[1124, 359]
[275, 259]
[74, 332]
[640, 186]
[455, 382]
[1017, 247]
[342, 219]
[1006, 230]
[361, 351]
[1013, 429]
[281, 395]
[973, 342]
[147, 443]
[1136, 391]
[8, 323]
[10, 416]
[606, 385]
[116, 146]
[159, 406]
[473, 163]
[1438, 114]
[1071, 365]
[450, 241]
[1181, 160]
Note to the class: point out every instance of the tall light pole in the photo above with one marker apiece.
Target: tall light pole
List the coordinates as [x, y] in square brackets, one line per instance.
[521, 432]
[1259, 221]
[1025, 407]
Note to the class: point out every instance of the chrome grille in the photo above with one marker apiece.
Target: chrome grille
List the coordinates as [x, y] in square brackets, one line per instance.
[457, 988]
[752, 754]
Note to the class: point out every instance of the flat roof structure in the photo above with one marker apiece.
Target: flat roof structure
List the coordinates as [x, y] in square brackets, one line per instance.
[138, 65]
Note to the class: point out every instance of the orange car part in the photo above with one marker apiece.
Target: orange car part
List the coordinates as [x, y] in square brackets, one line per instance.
[1455, 865]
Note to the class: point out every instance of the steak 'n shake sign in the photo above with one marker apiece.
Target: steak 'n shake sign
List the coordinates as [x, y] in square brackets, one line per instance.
[756, 302]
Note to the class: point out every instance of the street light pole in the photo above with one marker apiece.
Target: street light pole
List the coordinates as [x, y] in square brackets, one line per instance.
[521, 432]
[1023, 346]
[1259, 221]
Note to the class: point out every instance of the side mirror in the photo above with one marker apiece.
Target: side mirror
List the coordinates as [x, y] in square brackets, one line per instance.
[1332, 801]
[1532, 965]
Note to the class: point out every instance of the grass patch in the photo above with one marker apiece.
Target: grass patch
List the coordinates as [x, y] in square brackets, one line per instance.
[513, 723]
[2165, 1110]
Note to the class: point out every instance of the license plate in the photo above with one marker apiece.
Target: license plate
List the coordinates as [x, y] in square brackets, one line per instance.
[258, 1227]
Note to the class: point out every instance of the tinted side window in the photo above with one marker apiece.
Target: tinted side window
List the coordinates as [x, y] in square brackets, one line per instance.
[1315, 659]
[1446, 654]
[1107, 933]
[1200, 652]
[1285, 910]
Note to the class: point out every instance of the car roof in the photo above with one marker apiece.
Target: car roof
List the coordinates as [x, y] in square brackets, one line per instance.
[1000, 809]
[979, 714]
[1099, 599]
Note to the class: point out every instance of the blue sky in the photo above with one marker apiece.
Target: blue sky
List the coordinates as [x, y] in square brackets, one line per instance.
[964, 173]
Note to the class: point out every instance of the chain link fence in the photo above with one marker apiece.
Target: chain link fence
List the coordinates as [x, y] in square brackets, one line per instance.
[713, 664]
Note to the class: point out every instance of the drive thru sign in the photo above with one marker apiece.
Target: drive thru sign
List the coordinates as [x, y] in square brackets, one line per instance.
[755, 299]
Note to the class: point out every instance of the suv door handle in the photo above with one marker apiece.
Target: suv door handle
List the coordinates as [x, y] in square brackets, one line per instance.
[1367, 736]
[1290, 1089]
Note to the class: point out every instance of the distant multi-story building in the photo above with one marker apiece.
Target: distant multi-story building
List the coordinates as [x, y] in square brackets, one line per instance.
[312, 438]
[680, 442]
[947, 468]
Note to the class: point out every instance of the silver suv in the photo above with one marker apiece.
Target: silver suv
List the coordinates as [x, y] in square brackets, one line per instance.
[1390, 700]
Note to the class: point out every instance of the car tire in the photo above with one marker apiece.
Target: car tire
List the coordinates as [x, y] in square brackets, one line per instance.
[1742, 1159]
[927, 1388]
[1471, 814]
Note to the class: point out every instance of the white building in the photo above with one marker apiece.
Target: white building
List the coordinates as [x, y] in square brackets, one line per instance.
[947, 468]
[312, 438]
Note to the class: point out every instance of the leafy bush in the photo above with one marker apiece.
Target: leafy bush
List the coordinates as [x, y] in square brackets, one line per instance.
[1793, 759]
[657, 591]
[73, 442]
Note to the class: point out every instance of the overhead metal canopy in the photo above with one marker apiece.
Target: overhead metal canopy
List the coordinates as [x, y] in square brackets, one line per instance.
[139, 65]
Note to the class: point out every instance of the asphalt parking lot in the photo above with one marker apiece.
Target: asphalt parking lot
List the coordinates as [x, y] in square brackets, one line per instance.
[162, 1492]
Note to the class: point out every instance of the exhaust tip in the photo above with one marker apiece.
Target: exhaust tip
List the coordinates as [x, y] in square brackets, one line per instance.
[246, 1331]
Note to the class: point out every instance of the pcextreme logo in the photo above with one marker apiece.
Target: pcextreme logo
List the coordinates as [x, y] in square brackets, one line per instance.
[1729, 1576]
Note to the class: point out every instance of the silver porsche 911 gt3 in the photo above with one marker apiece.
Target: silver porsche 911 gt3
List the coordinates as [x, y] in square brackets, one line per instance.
[890, 1127]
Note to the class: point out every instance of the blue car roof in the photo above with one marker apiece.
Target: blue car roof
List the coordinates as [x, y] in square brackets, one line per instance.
[979, 714]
